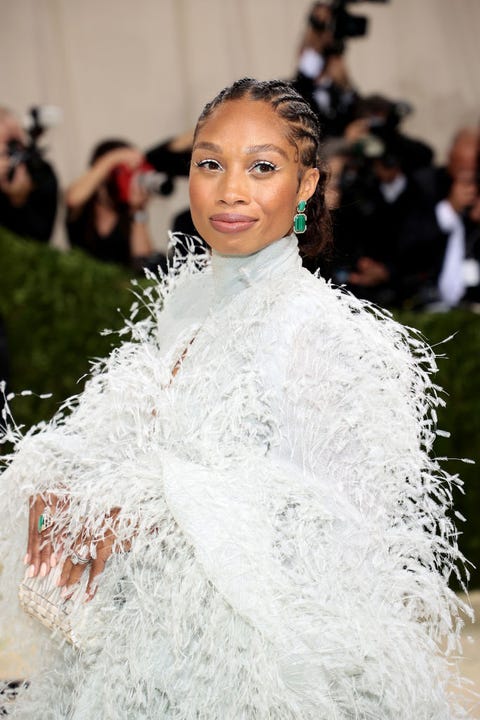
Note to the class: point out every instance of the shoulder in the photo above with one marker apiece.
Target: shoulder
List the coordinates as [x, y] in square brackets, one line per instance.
[44, 176]
[327, 322]
[353, 360]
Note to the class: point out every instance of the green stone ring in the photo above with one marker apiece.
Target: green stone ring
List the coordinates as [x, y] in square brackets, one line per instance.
[44, 521]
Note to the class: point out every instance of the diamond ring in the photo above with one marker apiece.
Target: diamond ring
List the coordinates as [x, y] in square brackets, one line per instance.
[77, 558]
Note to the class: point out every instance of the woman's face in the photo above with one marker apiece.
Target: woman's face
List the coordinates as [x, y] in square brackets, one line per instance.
[245, 178]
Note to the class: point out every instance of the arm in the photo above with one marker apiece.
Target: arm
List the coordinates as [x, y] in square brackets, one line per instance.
[141, 245]
[54, 468]
[82, 189]
[361, 413]
[315, 42]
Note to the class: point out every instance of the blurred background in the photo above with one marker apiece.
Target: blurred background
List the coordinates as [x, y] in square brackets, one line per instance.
[143, 70]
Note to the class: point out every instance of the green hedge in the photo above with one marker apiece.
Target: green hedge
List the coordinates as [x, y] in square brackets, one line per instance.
[55, 304]
[459, 375]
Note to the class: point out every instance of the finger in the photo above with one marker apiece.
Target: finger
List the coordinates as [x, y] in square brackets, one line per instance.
[103, 550]
[33, 504]
[135, 158]
[46, 556]
[29, 536]
[34, 537]
[40, 554]
[65, 573]
[71, 575]
[96, 568]
[73, 567]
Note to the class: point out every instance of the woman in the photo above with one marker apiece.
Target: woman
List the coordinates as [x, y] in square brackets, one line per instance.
[257, 460]
[104, 219]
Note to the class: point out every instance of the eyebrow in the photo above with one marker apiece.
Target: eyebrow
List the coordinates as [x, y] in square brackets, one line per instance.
[207, 146]
[251, 150]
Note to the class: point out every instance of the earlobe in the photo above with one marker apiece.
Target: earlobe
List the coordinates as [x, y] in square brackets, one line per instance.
[309, 183]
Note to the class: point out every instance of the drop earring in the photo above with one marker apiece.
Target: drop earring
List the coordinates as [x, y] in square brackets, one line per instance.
[300, 219]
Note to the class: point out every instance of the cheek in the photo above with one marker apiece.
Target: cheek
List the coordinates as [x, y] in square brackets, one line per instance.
[279, 202]
[193, 191]
[198, 197]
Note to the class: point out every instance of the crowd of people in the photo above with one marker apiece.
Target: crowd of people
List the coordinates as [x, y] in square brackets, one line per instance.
[406, 231]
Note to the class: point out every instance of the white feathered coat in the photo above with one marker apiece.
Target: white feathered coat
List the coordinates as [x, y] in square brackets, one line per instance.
[291, 546]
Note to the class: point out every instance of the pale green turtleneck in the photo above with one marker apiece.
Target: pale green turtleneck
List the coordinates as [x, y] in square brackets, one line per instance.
[234, 273]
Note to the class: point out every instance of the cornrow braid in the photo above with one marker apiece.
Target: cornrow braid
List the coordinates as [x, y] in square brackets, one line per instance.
[303, 131]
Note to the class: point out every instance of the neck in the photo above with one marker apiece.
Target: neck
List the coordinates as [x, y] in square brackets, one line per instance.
[234, 273]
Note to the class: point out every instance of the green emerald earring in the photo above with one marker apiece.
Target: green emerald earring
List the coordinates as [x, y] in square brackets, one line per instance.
[300, 219]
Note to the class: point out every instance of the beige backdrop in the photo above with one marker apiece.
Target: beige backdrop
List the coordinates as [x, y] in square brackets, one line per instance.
[142, 69]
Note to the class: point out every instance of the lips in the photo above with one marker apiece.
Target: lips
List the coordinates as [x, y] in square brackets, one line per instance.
[231, 222]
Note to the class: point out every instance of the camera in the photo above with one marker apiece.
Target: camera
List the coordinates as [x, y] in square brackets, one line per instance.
[156, 174]
[145, 175]
[344, 24]
[37, 120]
[17, 154]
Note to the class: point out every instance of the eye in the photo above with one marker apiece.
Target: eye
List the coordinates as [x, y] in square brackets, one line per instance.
[208, 164]
[263, 167]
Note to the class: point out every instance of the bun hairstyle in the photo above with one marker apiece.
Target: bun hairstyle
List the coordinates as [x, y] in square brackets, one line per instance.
[303, 131]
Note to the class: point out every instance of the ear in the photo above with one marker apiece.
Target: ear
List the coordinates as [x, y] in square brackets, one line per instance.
[308, 183]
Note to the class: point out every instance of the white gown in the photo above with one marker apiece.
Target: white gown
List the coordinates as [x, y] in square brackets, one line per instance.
[291, 543]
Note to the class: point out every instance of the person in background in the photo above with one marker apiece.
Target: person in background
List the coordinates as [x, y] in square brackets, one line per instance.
[28, 184]
[393, 248]
[453, 191]
[28, 200]
[388, 246]
[381, 117]
[105, 217]
[322, 75]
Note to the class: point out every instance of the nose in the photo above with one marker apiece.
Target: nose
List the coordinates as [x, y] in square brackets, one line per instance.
[233, 187]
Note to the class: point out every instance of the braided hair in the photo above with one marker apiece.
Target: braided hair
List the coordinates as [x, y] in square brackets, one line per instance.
[303, 131]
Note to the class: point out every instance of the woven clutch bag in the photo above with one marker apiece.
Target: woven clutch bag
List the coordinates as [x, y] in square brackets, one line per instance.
[42, 599]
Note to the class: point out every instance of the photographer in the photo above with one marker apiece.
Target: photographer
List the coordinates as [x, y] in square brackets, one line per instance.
[453, 192]
[389, 248]
[381, 117]
[106, 216]
[322, 76]
[28, 185]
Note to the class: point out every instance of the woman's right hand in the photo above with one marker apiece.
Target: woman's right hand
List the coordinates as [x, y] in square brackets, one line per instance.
[132, 157]
[40, 551]
[84, 187]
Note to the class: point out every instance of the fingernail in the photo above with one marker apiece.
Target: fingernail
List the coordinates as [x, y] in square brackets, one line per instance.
[26, 559]
[66, 592]
[31, 571]
[53, 560]
[43, 569]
